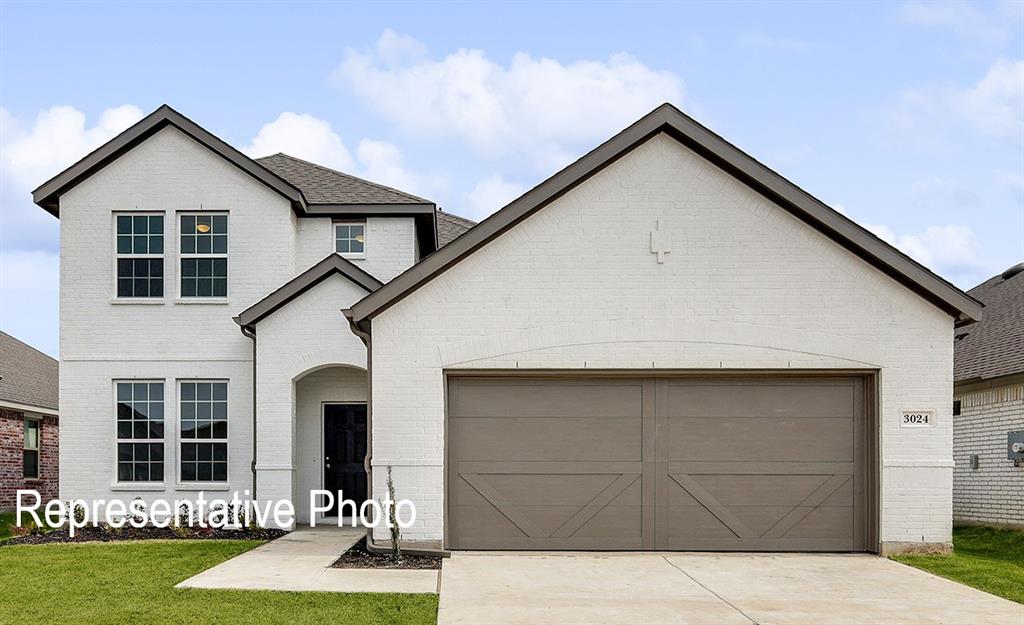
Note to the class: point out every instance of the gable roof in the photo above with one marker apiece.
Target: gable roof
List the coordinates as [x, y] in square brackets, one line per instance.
[322, 185]
[312, 190]
[27, 375]
[303, 282]
[994, 346]
[48, 193]
[450, 227]
[670, 120]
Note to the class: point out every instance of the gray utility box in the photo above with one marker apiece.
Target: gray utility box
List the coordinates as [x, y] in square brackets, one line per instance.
[1015, 446]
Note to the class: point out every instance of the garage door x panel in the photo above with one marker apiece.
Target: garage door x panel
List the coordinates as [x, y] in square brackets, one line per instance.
[767, 464]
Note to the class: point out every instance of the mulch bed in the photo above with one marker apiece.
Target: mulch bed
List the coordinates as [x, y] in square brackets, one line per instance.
[357, 557]
[99, 534]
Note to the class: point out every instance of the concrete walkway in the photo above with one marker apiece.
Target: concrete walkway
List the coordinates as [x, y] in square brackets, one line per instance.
[704, 589]
[301, 561]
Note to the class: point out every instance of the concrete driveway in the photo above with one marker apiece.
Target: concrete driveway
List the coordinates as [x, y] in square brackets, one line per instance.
[706, 589]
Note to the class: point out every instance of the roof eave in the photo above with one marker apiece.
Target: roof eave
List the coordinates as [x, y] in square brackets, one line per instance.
[422, 213]
[667, 118]
[330, 265]
[47, 195]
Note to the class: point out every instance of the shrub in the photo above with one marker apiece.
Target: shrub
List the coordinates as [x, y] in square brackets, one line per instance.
[396, 532]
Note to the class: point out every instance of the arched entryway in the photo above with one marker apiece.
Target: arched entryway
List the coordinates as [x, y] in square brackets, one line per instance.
[330, 436]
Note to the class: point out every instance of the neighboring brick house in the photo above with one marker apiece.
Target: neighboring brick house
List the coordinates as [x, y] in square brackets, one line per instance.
[988, 404]
[665, 345]
[28, 421]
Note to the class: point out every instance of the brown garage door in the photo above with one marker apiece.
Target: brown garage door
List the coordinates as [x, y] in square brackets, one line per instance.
[743, 464]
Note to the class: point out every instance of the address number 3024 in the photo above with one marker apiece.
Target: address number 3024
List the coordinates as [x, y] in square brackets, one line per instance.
[916, 419]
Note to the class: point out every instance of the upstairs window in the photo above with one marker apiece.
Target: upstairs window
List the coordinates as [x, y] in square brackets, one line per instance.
[204, 255]
[30, 456]
[350, 239]
[140, 255]
[140, 431]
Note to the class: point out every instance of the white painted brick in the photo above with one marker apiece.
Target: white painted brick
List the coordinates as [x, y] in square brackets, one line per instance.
[102, 340]
[746, 285]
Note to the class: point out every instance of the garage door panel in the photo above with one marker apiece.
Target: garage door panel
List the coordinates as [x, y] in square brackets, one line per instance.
[539, 439]
[530, 399]
[762, 464]
[476, 522]
[617, 512]
[547, 489]
[760, 439]
[612, 521]
[694, 521]
[826, 521]
[768, 399]
[758, 490]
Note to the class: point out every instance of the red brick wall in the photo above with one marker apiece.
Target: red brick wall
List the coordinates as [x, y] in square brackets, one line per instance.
[12, 442]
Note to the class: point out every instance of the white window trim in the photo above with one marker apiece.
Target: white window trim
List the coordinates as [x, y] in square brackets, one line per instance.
[182, 299]
[113, 226]
[116, 483]
[38, 448]
[334, 237]
[199, 485]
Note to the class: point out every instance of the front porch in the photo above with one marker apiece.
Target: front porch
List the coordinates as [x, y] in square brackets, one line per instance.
[329, 445]
[311, 389]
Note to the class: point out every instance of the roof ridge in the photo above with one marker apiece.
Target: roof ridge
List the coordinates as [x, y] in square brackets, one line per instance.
[349, 176]
[35, 349]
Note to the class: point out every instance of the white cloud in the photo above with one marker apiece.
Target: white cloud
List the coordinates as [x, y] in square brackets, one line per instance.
[994, 106]
[962, 18]
[490, 194]
[302, 136]
[950, 250]
[534, 106]
[382, 162]
[996, 103]
[313, 139]
[29, 156]
[30, 278]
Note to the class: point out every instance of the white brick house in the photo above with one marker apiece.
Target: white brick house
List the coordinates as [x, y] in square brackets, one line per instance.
[664, 346]
[988, 486]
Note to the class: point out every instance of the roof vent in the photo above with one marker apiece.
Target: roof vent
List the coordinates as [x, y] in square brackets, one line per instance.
[1012, 271]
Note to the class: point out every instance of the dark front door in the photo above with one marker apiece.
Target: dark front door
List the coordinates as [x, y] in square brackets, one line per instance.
[344, 451]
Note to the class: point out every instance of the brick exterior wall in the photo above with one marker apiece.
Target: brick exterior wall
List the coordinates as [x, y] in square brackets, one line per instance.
[104, 339]
[12, 441]
[994, 492]
[746, 286]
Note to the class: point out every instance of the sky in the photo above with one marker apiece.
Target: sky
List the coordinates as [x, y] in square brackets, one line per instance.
[908, 117]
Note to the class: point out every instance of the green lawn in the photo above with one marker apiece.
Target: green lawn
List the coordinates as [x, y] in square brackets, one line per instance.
[133, 582]
[988, 559]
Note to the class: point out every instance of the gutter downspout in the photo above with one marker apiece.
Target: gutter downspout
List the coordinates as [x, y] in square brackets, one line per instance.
[364, 335]
[250, 332]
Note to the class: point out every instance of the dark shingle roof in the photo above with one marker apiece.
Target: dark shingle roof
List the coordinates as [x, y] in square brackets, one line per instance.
[994, 346]
[321, 185]
[450, 227]
[27, 375]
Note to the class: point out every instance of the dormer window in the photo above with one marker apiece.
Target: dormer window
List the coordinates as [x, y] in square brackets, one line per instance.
[350, 239]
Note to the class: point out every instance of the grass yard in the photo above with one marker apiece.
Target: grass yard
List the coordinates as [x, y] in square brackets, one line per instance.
[985, 558]
[133, 582]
